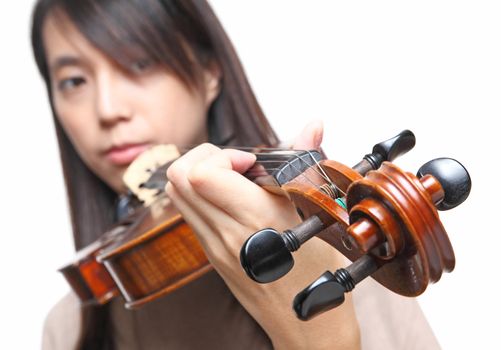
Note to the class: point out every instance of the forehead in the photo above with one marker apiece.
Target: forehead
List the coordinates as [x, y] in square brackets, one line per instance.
[63, 41]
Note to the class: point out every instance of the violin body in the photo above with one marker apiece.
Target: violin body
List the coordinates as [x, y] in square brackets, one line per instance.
[89, 279]
[130, 259]
[156, 256]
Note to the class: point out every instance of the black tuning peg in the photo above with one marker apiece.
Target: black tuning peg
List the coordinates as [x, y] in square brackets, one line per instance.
[387, 150]
[327, 292]
[392, 148]
[324, 294]
[266, 255]
[453, 178]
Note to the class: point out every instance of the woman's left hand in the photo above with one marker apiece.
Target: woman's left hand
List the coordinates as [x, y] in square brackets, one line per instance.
[224, 208]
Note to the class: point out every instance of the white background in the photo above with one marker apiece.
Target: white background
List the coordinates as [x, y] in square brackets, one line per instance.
[368, 69]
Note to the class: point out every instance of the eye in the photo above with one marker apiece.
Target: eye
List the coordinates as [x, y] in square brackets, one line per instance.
[70, 83]
[141, 65]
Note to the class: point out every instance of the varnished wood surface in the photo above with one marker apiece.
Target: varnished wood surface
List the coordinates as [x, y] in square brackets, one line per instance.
[90, 280]
[167, 260]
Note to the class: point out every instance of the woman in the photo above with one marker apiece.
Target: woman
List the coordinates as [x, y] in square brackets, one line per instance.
[122, 76]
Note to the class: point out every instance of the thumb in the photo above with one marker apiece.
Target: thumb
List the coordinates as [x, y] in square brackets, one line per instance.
[310, 137]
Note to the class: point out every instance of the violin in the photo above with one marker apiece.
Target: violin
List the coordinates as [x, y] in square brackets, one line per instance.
[381, 218]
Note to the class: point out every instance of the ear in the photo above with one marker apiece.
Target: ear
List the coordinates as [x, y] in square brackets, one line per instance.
[212, 82]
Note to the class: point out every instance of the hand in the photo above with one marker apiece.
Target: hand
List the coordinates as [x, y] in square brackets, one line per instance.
[224, 209]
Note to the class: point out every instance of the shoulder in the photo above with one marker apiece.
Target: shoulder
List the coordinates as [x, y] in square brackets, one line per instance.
[390, 321]
[62, 325]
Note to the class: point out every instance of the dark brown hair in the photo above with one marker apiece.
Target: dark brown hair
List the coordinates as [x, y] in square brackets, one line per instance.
[183, 36]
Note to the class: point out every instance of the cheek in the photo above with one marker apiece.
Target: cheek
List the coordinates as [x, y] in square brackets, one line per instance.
[76, 120]
[179, 116]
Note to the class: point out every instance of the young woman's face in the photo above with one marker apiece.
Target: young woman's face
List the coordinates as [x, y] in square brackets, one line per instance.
[111, 115]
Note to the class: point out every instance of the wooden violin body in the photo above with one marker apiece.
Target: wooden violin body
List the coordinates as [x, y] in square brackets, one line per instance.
[147, 255]
[158, 256]
[89, 279]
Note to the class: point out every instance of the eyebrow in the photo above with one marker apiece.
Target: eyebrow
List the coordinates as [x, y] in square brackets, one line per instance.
[65, 61]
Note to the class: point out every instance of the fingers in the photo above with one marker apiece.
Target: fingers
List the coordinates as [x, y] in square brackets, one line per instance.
[208, 175]
[240, 198]
[233, 160]
[218, 234]
[197, 211]
[197, 222]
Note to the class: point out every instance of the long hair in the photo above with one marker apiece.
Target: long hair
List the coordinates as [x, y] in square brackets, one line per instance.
[185, 37]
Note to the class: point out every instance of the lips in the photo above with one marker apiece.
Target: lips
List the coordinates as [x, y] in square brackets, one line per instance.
[125, 154]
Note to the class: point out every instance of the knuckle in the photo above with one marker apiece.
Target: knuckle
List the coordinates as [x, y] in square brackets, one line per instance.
[206, 148]
[197, 175]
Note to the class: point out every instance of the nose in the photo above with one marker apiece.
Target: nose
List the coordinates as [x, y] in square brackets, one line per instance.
[112, 100]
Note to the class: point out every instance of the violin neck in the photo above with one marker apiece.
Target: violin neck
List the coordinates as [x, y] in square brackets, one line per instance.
[282, 166]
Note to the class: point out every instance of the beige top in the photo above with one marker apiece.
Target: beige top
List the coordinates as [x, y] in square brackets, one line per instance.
[217, 321]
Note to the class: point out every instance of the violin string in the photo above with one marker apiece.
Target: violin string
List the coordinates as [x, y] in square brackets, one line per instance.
[322, 174]
[259, 173]
[185, 149]
[320, 171]
[269, 169]
[270, 149]
[280, 151]
[327, 178]
[301, 173]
